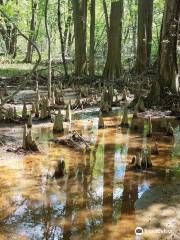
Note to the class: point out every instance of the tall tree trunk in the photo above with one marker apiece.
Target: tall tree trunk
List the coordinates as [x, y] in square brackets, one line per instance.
[80, 18]
[29, 54]
[62, 41]
[134, 26]
[68, 24]
[168, 67]
[13, 43]
[49, 49]
[112, 68]
[92, 39]
[145, 18]
[106, 16]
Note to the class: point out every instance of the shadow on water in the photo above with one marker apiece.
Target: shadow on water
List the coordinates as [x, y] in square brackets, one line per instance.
[95, 200]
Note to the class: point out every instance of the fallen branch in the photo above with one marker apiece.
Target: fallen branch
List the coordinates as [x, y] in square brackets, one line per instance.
[74, 140]
[26, 78]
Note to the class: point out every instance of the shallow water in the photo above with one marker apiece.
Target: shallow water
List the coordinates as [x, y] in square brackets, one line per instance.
[96, 198]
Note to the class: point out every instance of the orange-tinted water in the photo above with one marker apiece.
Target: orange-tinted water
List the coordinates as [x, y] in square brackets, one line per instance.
[95, 200]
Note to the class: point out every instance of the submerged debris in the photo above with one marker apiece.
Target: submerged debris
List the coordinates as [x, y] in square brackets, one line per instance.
[74, 140]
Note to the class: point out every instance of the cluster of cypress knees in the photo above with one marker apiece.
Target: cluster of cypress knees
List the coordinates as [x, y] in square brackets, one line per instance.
[42, 109]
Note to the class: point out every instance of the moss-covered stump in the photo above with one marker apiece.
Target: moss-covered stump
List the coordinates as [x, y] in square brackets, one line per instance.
[58, 123]
[106, 101]
[28, 143]
[45, 112]
[68, 116]
[29, 121]
[24, 112]
[139, 107]
[124, 122]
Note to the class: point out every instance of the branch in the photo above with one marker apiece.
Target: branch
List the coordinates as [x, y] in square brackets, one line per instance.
[26, 78]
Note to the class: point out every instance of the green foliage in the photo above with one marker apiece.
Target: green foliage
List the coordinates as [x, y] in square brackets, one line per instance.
[21, 14]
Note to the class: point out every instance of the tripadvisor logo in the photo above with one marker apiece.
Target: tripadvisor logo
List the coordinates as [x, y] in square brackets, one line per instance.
[139, 231]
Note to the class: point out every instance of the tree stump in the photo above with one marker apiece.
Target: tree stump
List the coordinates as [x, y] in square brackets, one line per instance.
[58, 123]
[124, 122]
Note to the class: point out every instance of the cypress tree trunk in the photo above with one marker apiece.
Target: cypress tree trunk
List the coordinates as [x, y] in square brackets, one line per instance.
[112, 68]
[168, 67]
[13, 42]
[68, 24]
[92, 38]
[145, 19]
[106, 16]
[80, 18]
[29, 54]
[62, 41]
[49, 50]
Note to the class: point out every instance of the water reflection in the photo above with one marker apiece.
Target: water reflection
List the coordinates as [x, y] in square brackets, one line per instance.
[95, 199]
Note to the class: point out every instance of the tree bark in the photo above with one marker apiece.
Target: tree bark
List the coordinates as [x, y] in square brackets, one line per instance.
[49, 50]
[112, 68]
[168, 67]
[80, 18]
[145, 19]
[106, 16]
[68, 24]
[92, 39]
[62, 41]
[29, 54]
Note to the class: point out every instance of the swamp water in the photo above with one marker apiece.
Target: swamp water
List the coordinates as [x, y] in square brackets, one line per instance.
[95, 200]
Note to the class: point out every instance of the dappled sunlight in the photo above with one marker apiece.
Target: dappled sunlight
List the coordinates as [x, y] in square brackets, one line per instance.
[98, 194]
